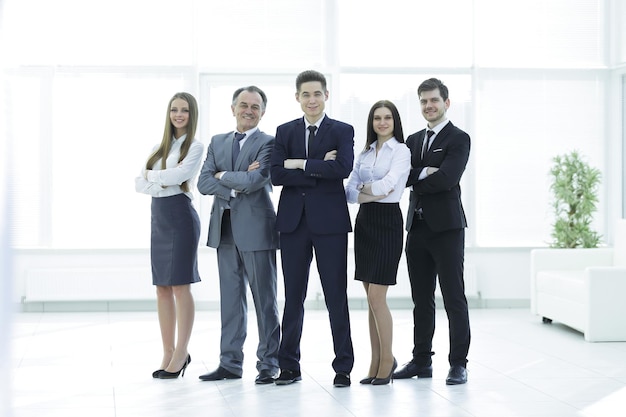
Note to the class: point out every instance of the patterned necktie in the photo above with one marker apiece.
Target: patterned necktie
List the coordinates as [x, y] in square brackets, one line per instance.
[312, 130]
[429, 134]
[236, 147]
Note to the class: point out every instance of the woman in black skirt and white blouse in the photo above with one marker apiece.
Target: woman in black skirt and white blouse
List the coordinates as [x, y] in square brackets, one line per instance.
[175, 229]
[377, 183]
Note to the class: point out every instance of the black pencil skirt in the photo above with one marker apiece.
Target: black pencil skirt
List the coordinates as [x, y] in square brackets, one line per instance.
[378, 240]
[174, 241]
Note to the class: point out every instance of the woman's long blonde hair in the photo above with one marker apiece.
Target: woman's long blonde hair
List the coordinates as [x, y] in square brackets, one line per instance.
[166, 143]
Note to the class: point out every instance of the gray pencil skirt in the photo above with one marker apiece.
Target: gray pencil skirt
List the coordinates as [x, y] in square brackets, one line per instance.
[174, 241]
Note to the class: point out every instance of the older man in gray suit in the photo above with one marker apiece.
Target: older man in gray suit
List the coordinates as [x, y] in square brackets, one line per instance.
[236, 173]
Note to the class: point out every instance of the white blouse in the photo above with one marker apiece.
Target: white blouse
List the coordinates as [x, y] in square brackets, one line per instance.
[386, 170]
[166, 182]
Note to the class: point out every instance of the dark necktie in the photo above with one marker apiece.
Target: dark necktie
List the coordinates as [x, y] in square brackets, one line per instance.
[312, 130]
[429, 134]
[236, 147]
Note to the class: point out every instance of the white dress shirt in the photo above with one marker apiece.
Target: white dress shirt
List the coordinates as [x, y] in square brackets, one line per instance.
[243, 140]
[307, 133]
[166, 182]
[248, 133]
[386, 170]
[436, 129]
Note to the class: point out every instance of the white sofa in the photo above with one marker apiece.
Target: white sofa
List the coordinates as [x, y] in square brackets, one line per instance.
[584, 289]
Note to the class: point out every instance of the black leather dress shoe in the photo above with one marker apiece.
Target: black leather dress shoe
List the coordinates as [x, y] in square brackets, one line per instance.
[411, 369]
[219, 374]
[265, 376]
[456, 375]
[287, 377]
[341, 380]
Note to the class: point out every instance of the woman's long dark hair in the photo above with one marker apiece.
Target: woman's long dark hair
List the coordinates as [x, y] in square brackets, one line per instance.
[372, 136]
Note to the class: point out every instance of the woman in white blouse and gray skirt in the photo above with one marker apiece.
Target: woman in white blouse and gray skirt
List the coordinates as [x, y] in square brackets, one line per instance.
[175, 229]
[377, 183]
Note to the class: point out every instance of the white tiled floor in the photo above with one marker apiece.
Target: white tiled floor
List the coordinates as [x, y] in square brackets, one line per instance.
[100, 364]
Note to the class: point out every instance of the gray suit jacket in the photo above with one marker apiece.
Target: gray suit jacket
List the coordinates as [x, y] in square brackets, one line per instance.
[252, 212]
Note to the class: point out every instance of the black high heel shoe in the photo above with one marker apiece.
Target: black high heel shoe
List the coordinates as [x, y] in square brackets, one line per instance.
[173, 375]
[156, 373]
[368, 380]
[385, 381]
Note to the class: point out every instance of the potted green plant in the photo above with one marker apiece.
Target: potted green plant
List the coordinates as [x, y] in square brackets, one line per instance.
[575, 190]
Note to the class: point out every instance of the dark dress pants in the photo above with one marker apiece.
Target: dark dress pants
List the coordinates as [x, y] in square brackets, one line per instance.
[430, 254]
[331, 255]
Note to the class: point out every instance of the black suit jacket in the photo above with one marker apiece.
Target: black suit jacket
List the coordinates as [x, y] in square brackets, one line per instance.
[318, 191]
[439, 194]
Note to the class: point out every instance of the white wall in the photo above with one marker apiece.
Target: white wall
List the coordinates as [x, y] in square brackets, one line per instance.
[502, 279]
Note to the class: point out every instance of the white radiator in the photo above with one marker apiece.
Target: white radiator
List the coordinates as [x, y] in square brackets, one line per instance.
[88, 284]
[127, 283]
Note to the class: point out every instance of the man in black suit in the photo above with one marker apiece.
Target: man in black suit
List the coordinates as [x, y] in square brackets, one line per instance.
[312, 155]
[436, 234]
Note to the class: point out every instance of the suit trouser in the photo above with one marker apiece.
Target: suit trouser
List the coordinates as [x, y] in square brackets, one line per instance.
[237, 270]
[430, 254]
[331, 253]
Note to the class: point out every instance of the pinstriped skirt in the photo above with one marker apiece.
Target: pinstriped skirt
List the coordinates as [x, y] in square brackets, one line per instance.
[174, 241]
[378, 239]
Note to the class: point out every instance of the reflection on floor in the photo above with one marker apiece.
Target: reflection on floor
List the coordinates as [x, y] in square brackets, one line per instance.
[100, 364]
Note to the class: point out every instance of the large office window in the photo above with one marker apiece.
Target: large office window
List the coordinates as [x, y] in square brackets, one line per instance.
[525, 124]
[86, 97]
[252, 36]
[540, 34]
[126, 33]
[77, 154]
[404, 33]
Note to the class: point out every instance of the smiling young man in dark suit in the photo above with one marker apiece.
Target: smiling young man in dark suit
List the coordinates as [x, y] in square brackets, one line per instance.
[312, 155]
[436, 234]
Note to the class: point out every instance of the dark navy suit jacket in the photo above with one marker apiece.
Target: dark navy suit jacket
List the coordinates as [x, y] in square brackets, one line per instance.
[318, 191]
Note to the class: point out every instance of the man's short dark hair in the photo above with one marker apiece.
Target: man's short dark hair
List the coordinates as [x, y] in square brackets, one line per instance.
[433, 84]
[308, 76]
